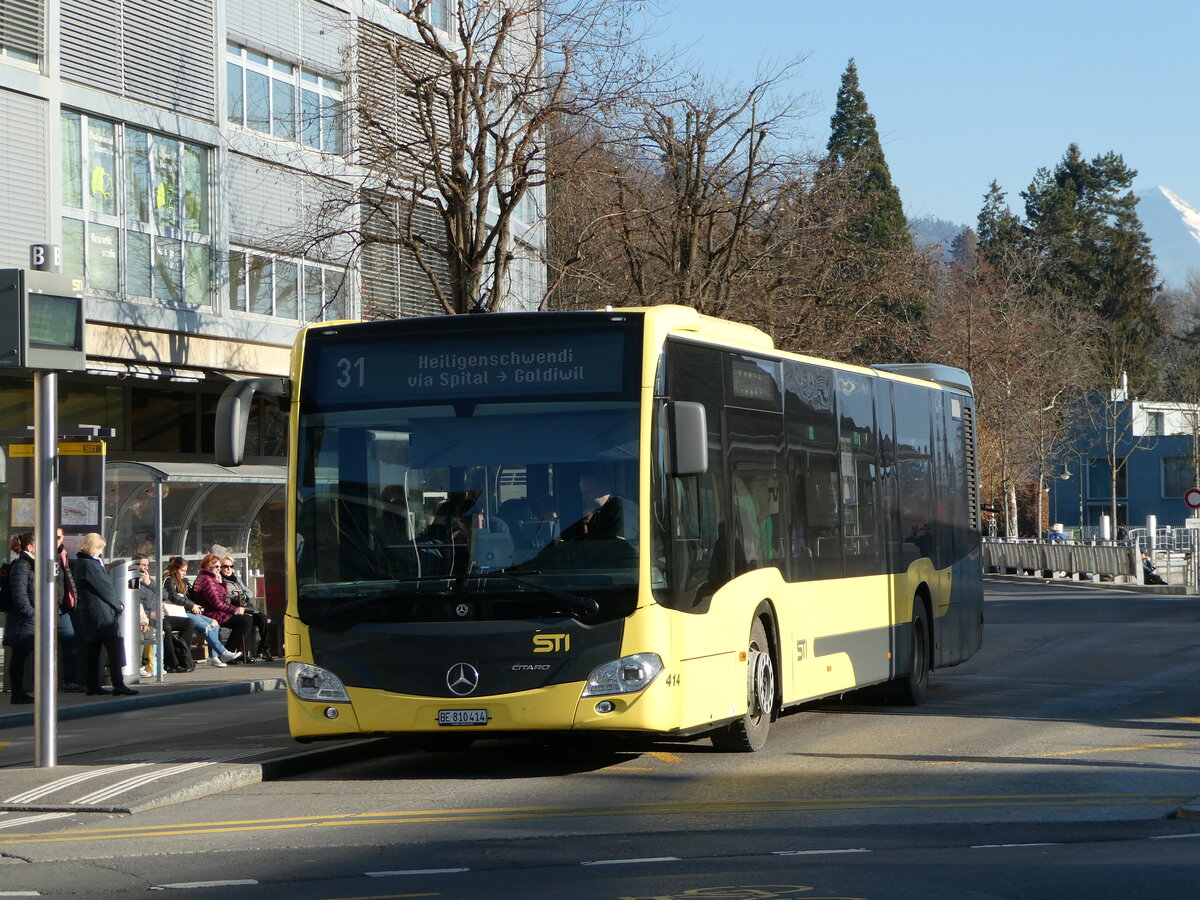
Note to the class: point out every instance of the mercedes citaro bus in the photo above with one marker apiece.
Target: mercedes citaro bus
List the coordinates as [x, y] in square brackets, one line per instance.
[636, 521]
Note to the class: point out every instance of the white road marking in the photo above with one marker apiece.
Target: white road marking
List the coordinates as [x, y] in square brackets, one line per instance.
[137, 781]
[416, 872]
[69, 781]
[1171, 837]
[817, 852]
[185, 885]
[1002, 846]
[627, 862]
[29, 820]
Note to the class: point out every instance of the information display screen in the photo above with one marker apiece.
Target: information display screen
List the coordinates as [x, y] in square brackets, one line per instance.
[54, 321]
[342, 369]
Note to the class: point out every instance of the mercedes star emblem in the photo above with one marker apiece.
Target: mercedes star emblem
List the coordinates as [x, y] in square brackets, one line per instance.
[462, 679]
[462, 609]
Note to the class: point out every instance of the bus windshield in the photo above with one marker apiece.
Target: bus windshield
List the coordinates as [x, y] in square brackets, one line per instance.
[467, 510]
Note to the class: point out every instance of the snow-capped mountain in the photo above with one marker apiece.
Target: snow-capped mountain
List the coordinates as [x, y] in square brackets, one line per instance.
[1173, 226]
[1171, 223]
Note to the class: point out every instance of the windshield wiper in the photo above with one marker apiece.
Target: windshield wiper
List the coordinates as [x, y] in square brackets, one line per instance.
[583, 605]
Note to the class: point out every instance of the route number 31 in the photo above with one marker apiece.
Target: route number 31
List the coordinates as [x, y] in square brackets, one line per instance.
[351, 372]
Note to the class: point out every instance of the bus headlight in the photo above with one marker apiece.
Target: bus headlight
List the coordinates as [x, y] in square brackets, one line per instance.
[624, 675]
[310, 682]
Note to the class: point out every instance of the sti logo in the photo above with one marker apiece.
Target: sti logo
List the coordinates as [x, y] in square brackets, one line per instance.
[551, 643]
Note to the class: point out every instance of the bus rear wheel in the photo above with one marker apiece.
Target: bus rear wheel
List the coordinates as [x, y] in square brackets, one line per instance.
[749, 733]
[909, 690]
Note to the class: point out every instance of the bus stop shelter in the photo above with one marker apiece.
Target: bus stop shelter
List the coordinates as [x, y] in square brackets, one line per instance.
[187, 509]
[170, 509]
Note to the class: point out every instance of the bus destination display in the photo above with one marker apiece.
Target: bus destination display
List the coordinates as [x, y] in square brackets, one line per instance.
[495, 366]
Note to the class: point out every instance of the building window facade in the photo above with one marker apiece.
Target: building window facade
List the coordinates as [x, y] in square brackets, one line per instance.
[1178, 476]
[1099, 482]
[276, 97]
[22, 30]
[285, 288]
[439, 13]
[136, 211]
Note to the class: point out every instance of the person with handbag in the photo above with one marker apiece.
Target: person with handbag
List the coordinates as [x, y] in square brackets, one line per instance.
[178, 593]
[209, 593]
[100, 611]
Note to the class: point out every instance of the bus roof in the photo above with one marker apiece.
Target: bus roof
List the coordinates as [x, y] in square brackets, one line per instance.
[683, 320]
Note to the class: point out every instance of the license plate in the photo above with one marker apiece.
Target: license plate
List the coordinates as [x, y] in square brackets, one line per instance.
[462, 716]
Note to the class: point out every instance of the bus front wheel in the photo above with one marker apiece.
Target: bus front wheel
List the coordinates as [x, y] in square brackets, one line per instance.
[749, 733]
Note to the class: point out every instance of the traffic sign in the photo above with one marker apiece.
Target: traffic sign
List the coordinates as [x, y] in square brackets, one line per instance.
[1192, 497]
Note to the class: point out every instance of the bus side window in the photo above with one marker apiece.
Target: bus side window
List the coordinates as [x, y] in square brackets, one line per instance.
[811, 472]
[858, 446]
[914, 464]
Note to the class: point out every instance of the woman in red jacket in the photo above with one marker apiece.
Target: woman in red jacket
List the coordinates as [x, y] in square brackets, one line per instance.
[209, 594]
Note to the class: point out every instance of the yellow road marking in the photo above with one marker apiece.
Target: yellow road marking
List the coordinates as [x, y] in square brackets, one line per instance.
[1109, 750]
[957, 762]
[663, 756]
[700, 807]
[1195, 719]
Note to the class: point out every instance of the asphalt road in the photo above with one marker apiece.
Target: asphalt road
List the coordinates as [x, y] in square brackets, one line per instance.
[1054, 763]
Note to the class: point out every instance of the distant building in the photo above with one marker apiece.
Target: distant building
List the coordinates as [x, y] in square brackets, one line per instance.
[1158, 446]
[172, 149]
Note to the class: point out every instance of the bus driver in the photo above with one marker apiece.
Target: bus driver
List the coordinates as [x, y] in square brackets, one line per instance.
[610, 516]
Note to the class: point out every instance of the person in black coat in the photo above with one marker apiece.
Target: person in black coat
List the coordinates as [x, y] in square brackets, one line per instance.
[610, 517]
[100, 611]
[18, 629]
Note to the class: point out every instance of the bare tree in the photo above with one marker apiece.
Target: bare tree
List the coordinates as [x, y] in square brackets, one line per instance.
[451, 124]
[683, 183]
[1179, 358]
[1019, 342]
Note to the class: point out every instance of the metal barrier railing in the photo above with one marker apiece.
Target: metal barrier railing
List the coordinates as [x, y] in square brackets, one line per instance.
[1094, 560]
[1075, 560]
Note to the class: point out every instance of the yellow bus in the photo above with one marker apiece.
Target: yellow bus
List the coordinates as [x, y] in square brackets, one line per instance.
[635, 521]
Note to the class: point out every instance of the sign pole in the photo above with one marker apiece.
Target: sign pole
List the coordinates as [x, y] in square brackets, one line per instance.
[45, 687]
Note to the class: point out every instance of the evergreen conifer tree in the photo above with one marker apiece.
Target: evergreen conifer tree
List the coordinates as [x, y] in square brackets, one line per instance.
[999, 230]
[1082, 217]
[855, 160]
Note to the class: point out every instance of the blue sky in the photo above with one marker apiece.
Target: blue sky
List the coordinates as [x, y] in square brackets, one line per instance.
[965, 92]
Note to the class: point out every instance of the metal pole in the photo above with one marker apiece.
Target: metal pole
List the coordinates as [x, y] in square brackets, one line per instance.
[45, 433]
[158, 578]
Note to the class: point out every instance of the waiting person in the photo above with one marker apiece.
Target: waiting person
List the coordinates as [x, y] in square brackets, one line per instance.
[150, 598]
[237, 594]
[210, 594]
[1149, 575]
[18, 629]
[70, 636]
[100, 611]
[177, 591]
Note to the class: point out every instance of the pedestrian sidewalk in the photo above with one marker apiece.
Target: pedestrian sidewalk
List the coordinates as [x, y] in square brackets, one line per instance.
[203, 683]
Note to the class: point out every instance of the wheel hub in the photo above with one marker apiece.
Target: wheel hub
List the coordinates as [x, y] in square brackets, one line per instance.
[762, 684]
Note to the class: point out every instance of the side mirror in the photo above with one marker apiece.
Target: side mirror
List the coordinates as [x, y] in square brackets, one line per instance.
[233, 416]
[687, 438]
